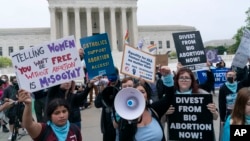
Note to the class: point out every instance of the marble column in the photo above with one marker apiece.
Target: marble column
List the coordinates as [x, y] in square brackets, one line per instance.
[65, 22]
[113, 29]
[89, 21]
[124, 24]
[134, 26]
[101, 19]
[77, 26]
[52, 23]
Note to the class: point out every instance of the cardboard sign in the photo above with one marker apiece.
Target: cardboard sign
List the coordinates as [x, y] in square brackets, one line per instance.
[47, 65]
[97, 55]
[161, 59]
[190, 50]
[138, 64]
[191, 119]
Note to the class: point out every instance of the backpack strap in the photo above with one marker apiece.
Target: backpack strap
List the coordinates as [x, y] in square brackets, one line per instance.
[76, 130]
[45, 133]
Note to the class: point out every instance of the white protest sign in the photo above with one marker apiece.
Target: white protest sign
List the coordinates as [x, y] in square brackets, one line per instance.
[138, 64]
[243, 52]
[47, 65]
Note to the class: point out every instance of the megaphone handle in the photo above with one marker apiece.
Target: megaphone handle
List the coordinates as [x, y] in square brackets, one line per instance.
[113, 112]
[135, 121]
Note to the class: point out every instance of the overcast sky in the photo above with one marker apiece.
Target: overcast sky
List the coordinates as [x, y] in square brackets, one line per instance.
[215, 19]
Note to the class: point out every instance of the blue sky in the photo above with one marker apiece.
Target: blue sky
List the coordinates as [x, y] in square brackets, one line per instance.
[215, 19]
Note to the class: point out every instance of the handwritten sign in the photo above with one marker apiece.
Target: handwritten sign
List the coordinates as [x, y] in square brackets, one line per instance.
[191, 119]
[190, 50]
[97, 55]
[47, 65]
[138, 64]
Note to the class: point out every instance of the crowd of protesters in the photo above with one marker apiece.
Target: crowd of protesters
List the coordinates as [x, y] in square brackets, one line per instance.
[65, 101]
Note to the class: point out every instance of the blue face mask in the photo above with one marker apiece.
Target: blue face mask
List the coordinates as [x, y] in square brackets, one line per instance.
[168, 80]
[247, 117]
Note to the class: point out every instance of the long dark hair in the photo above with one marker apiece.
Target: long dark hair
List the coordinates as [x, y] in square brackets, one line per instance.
[127, 129]
[238, 113]
[53, 104]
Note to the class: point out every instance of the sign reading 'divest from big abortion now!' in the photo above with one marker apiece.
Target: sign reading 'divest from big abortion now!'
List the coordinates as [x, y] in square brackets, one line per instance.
[46, 65]
[191, 119]
[138, 64]
[190, 50]
[97, 55]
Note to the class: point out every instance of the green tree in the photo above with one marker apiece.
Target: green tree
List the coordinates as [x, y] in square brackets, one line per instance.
[5, 62]
[232, 49]
[221, 50]
[173, 55]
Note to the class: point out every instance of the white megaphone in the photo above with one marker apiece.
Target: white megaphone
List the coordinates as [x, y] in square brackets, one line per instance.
[129, 103]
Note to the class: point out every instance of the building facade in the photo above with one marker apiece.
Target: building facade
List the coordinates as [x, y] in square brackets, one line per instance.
[83, 18]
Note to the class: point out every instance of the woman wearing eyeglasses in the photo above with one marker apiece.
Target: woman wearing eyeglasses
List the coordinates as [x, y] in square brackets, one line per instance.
[185, 83]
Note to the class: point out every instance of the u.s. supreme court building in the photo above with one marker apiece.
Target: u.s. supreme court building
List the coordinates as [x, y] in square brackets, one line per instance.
[83, 18]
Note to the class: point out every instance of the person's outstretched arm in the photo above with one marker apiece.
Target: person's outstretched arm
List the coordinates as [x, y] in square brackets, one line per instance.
[29, 124]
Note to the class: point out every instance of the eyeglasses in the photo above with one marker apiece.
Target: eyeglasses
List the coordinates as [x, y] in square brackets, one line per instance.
[184, 79]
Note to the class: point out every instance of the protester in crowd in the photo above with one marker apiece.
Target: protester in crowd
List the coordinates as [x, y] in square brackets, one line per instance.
[5, 78]
[58, 126]
[148, 122]
[208, 85]
[79, 87]
[163, 85]
[1, 88]
[6, 104]
[228, 92]
[154, 94]
[66, 91]
[125, 83]
[93, 91]
[39, 103]
[165, 82]
[107, 129]
[15, 110]
[158, 71]
[2, 114]
[86, 103]
[241, 73]
[221, 64]
[240, 113]
[185, 83]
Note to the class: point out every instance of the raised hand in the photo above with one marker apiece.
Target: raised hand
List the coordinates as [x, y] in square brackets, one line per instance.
[24, 96]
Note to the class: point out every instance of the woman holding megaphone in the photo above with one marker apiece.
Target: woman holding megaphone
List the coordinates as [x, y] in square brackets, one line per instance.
[140, 120]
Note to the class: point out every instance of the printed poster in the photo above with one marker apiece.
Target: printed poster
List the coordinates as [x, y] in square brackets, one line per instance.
[138, 64]
[191, 119]
[190, 50]
[97, 55]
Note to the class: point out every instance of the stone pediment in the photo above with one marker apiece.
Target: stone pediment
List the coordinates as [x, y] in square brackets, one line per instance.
[92, 3]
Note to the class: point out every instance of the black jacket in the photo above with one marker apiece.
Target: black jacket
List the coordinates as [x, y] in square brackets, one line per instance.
[74, 100]
[224, 91]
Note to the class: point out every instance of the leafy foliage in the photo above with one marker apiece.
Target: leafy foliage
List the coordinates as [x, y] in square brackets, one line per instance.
[5, 62]
[173, 55]
[232, 49]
